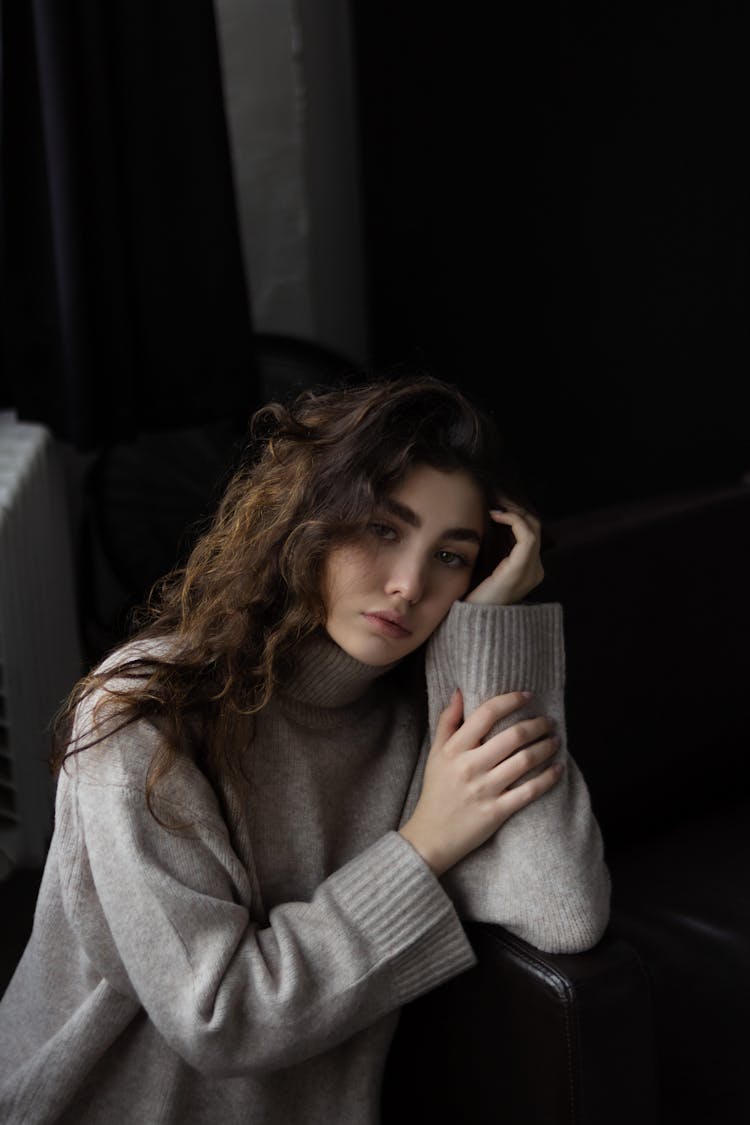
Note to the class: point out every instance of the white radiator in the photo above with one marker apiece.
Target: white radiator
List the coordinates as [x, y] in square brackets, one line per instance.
[40, 652]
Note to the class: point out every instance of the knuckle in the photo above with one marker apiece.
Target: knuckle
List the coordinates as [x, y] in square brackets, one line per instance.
[549, 778]
[550, 750]
[523, 732]
[545, 728]
[519, 795]
[525, 759]
[487, 709]
[526, 793]
[536, 787]
[491, 710]
[450, 751]
[464, 771]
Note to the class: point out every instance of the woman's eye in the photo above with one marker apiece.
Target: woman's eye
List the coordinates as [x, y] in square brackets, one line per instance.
[450, 558]
[383, 530]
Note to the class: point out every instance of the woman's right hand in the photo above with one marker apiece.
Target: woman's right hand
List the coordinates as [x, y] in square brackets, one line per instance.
[469, 788]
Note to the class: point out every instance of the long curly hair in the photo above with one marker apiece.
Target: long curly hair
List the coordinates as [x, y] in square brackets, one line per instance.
[233, 616]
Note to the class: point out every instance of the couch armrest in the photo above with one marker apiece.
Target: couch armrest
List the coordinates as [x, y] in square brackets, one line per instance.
[530, 1038]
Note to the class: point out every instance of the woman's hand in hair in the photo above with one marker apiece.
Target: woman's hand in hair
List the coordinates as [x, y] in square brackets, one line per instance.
[472, 787]
[521, 570]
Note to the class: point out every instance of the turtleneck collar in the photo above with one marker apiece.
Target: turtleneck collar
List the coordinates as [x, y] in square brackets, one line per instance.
[327, 677]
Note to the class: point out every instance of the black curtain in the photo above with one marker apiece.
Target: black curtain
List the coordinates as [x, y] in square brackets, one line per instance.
[124, 302]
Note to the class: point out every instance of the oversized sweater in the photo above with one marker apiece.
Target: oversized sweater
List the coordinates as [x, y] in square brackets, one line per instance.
[250, 969]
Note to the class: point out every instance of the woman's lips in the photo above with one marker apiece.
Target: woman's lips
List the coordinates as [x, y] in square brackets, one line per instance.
[386, 627]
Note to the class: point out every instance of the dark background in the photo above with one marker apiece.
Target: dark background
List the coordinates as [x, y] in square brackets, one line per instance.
[555, 201]
[557, 216]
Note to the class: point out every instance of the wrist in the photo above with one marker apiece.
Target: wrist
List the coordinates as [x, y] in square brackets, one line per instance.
[434, 861]
[477, 598]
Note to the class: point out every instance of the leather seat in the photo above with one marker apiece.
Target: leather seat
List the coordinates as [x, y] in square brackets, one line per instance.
[679, 900]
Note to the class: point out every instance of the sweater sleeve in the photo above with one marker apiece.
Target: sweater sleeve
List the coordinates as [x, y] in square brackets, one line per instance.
[164, 916]
[542, 875]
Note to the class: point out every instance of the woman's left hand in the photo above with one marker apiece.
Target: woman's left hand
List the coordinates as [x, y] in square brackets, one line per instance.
[521, 570]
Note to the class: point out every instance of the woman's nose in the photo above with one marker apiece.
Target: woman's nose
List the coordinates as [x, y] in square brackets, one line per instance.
[407, 579]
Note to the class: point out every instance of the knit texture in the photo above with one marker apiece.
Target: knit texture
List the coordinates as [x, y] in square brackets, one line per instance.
[251, 969]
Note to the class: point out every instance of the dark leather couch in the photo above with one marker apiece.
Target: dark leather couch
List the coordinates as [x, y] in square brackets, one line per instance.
[652, 1027]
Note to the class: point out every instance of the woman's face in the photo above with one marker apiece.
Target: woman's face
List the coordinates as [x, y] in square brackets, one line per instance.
[386, 592]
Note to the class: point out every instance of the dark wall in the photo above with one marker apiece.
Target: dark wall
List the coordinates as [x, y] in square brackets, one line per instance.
[557, 220]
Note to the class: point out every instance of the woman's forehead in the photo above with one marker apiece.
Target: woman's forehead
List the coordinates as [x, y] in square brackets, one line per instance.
[449, 496]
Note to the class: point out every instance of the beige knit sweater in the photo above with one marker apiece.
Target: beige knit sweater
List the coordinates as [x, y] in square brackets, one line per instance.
[252, 970]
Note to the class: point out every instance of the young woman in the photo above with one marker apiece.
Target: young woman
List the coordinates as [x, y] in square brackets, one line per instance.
[340, 731]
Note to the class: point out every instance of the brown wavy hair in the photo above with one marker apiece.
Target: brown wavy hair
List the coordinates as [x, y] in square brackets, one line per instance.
[307, 480]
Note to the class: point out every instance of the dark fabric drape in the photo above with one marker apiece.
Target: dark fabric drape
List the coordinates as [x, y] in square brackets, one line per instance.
[124, 301]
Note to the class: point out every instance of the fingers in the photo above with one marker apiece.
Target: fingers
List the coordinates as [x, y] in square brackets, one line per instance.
[450, 718]
[504, 759]
[510, 743]
[515, 510]
[521, 521]
[481, 721]
[528, 791]
[512, 769]
[525, 528]
[523, 524]
[471, 788]
[517, 571]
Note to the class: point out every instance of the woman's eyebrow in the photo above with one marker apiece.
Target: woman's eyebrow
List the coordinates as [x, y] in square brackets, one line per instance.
[405, 513]
[402, 511]
[463, 534]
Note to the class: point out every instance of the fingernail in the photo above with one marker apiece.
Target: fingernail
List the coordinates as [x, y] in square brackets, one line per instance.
[527, 694]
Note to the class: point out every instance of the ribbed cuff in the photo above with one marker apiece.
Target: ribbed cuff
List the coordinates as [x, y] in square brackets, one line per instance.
[523, 642]
[489, 650]
[394, 898]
